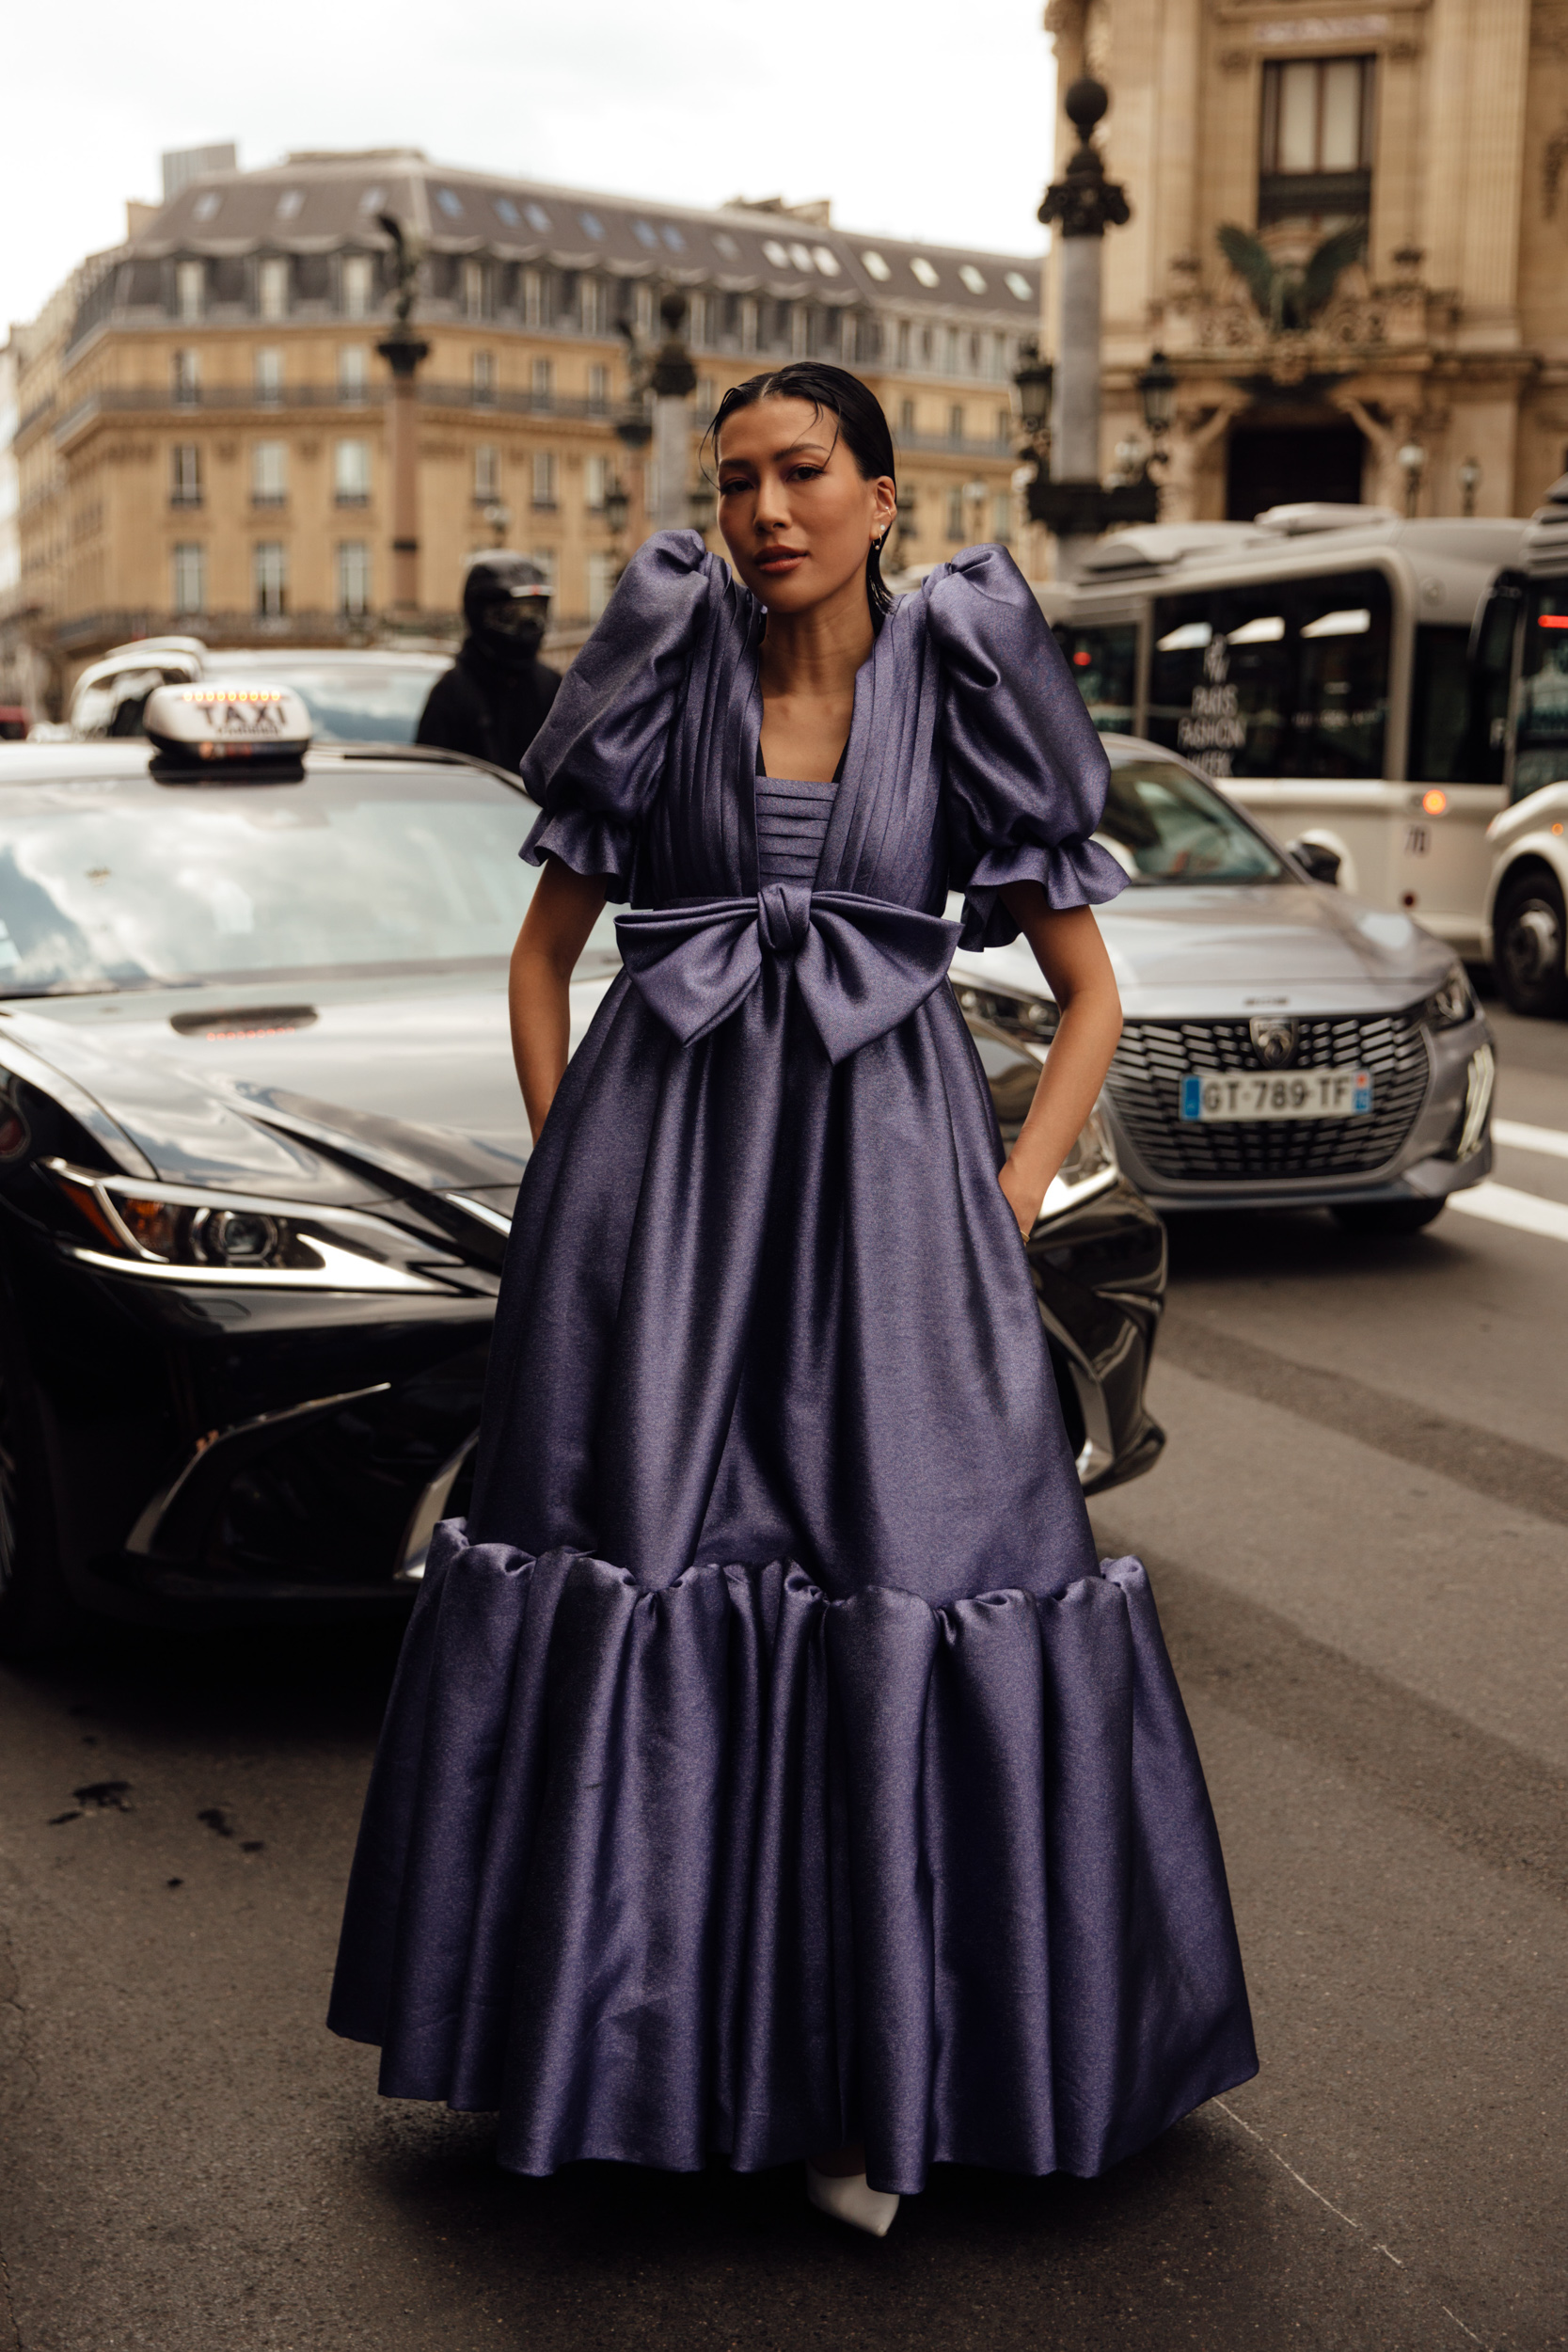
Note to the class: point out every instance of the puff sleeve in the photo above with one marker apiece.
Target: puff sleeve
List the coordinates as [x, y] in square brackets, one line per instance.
[1025, 773]
[595, 765]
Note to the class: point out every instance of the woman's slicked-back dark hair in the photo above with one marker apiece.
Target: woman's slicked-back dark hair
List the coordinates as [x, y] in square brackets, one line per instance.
[861, 427]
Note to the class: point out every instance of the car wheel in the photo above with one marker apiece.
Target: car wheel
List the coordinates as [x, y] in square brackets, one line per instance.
[1384, 1219]
[1533, 947]
[36, 1610]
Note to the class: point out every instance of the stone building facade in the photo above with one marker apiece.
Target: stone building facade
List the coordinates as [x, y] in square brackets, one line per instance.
[201, 444]
[1437, 128]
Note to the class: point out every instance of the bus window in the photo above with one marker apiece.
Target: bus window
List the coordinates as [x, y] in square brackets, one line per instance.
[1104, 662]
[1540, 720]
[1278, 679]
[1440, 707]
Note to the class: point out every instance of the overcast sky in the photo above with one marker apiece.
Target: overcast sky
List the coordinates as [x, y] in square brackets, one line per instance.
[925, 119]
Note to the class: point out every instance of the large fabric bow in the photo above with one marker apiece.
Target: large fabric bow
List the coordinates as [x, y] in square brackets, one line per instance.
[861, 964]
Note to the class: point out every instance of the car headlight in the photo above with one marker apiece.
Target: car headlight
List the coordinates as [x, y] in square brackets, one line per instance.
[176, 1233]
[1090, 1167]
[1453, 1004]
[1031, 1018]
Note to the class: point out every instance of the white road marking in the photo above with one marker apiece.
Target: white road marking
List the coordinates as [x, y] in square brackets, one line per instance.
[1549, 1140]
[1504, 1204]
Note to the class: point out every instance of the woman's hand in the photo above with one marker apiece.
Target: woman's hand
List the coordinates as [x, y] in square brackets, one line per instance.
[562, 913]
[1069, 951]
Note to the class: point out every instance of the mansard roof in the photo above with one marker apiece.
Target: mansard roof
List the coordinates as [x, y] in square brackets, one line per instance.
[315, 203]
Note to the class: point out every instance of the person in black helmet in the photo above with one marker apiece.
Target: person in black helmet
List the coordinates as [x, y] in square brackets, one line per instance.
[493, 700]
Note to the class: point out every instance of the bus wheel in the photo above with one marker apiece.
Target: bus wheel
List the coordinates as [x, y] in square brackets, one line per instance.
[1385, 1220]
[1531, 941]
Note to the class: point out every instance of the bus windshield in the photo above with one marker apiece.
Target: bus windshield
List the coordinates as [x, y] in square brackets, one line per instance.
[1275, 679]
[1540, 723]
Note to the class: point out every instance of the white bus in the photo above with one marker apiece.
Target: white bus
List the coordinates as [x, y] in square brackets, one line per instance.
[1318, 663]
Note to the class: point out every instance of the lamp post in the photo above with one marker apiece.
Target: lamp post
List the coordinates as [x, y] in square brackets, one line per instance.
[498, 515]
[402, 351]
[1073, 503]
[1412, 460]
[673, 379]
[1469, 482]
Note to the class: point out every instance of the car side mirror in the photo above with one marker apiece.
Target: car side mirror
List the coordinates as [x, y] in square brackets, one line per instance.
[1322, 864]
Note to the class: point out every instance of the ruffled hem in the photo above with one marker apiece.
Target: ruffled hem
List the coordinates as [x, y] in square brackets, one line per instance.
[588, 843]
[1072, 874]
[732, 1867]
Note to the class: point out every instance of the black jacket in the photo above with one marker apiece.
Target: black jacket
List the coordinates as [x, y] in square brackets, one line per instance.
[489, 709]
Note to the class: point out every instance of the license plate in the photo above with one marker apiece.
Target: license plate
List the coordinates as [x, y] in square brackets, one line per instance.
[1238, 1094]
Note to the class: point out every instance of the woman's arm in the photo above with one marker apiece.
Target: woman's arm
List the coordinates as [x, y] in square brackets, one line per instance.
[1071, 954]
[562, 913]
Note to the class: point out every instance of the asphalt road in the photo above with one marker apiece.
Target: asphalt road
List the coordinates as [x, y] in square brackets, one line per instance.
[1357, 1541]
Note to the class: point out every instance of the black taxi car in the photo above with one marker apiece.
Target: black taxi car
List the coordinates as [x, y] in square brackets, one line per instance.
[260, 1142]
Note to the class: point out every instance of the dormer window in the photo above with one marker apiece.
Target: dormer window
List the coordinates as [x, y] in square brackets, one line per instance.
[1316, 152]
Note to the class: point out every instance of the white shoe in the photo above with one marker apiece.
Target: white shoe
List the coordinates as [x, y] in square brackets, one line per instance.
[847, 2197]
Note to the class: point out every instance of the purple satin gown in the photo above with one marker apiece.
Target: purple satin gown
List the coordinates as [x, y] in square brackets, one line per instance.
[771, 1762]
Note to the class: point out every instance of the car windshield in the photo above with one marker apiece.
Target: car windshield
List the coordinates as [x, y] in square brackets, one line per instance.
[111, 882]
[1162, 824]
[349, 701]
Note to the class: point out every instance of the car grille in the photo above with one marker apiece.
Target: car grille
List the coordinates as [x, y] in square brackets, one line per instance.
[1153, 1057]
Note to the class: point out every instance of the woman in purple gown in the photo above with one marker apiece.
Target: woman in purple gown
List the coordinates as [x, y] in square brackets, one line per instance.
[772, 1769]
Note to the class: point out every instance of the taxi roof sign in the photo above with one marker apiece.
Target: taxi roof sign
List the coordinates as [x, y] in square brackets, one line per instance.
[211, 724]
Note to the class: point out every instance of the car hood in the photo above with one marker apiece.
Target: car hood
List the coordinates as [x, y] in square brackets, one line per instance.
[1206, 952]
[337, 1090]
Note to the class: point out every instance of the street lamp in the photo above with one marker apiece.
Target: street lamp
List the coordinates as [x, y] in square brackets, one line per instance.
[1033, 377]
[1469, 482]
[1412, 460]
[498, 517]
[1157, 390]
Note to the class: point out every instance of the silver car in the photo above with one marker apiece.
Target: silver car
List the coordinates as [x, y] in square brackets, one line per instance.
[1285, 1046]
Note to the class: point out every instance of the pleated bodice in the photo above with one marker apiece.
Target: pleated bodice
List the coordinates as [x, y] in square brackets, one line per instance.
[792, 826]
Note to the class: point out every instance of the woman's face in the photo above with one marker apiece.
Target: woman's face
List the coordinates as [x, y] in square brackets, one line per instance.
[798, 516]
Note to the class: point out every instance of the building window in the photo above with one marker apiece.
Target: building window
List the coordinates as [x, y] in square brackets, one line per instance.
[485, 377]
[927, 346]
[185, 378]
[269, 377]
[598, 389]
[955, 421]
[601, 580]
[351, 473]
[269, 572]
[272, 288]
[354, 576]
[643, 314]
[1315, 154]
[190, 577]
[707, 399]
[696, 321]
[359, 285]
[953, 351]
[954, 513]
[903, 343]
[269, 473]
[533, 298]
[353, 372]
[543, 479]
[999, 357]
[487, 472]
[1002, 516]
[595, 483]
[799, 331]
[906, 420]
[190, 289]
[541, 382]
[1004, 428]
[593, 305]
[975, 354]
[475, 289]
[748, 325]
[185, 474]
